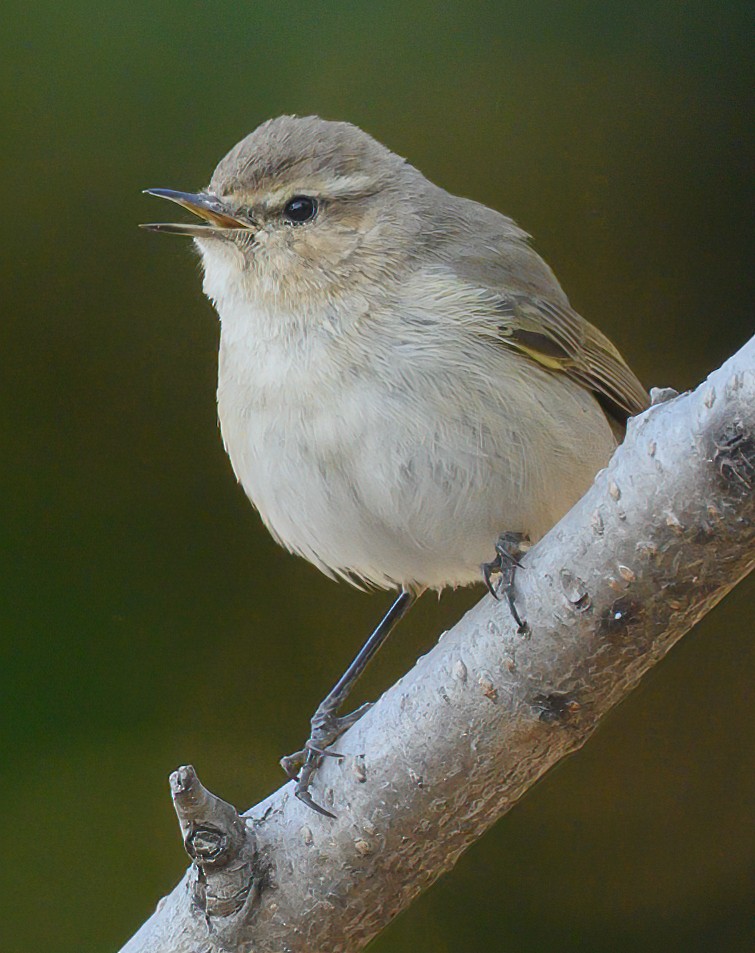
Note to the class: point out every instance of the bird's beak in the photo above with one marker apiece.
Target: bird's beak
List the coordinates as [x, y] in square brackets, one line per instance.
[217, 217]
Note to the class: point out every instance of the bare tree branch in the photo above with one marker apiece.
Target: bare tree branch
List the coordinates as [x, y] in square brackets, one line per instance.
[664, 533]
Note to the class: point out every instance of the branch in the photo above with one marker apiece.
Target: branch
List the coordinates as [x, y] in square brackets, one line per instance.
[662, 535]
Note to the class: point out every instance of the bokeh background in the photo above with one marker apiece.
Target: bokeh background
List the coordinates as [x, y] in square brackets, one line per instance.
[148, 620]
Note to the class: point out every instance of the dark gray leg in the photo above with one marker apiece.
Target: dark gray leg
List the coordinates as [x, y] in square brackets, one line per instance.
[327, 726]
[509, 549]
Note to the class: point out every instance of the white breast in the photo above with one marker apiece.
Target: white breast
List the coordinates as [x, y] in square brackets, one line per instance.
[394, 448]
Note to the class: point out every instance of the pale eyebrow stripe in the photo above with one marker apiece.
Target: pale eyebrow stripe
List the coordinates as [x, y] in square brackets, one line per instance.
[335, 187]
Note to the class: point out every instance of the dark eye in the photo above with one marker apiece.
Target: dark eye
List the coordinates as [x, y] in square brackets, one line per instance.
[300, 209]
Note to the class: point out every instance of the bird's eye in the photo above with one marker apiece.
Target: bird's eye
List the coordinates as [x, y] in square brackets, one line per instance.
[300, 209]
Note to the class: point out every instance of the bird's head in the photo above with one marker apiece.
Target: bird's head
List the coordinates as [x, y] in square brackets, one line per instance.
[304, 210]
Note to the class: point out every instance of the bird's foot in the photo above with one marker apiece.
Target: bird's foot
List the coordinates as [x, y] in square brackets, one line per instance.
[302, 766]
[509, 549]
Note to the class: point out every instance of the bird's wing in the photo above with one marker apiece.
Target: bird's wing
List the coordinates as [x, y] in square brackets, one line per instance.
[532, 313]
[556, 337]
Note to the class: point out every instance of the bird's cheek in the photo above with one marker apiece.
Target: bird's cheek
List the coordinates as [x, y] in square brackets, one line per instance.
[334, 248]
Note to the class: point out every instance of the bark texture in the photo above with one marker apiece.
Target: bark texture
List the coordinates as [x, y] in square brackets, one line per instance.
[663, 534]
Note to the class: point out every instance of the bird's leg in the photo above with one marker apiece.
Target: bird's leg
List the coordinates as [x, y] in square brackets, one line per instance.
[509, 549]
[327, 726]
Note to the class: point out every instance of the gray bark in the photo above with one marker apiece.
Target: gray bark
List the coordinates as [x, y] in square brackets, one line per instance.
[663, 534]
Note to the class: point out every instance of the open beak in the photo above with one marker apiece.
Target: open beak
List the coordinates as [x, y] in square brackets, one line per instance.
[217, 218]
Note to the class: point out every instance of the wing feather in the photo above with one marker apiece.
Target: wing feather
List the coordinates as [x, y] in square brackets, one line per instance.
[560, 339]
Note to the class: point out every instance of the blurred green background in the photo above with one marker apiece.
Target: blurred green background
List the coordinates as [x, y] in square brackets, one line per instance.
[147, 618]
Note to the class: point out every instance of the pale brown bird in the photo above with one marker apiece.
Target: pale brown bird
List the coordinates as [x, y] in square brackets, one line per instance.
[402, 380]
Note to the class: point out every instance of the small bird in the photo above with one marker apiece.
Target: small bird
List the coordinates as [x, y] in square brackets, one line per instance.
[403, 387]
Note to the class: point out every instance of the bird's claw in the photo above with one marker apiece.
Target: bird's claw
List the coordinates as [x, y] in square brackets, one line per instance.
[488, 571]
[323, 752]
[303, 765]
[508, 548]
[291, 763]
[306, 798]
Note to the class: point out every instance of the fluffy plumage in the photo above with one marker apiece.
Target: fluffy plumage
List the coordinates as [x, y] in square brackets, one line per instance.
[402, 378]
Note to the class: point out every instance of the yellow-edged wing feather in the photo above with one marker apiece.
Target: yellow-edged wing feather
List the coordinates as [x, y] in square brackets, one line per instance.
[560, 340]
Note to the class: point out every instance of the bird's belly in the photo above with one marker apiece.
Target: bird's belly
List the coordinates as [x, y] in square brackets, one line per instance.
[375, 484]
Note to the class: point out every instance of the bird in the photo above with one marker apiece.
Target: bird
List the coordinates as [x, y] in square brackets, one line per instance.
[404, 389]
